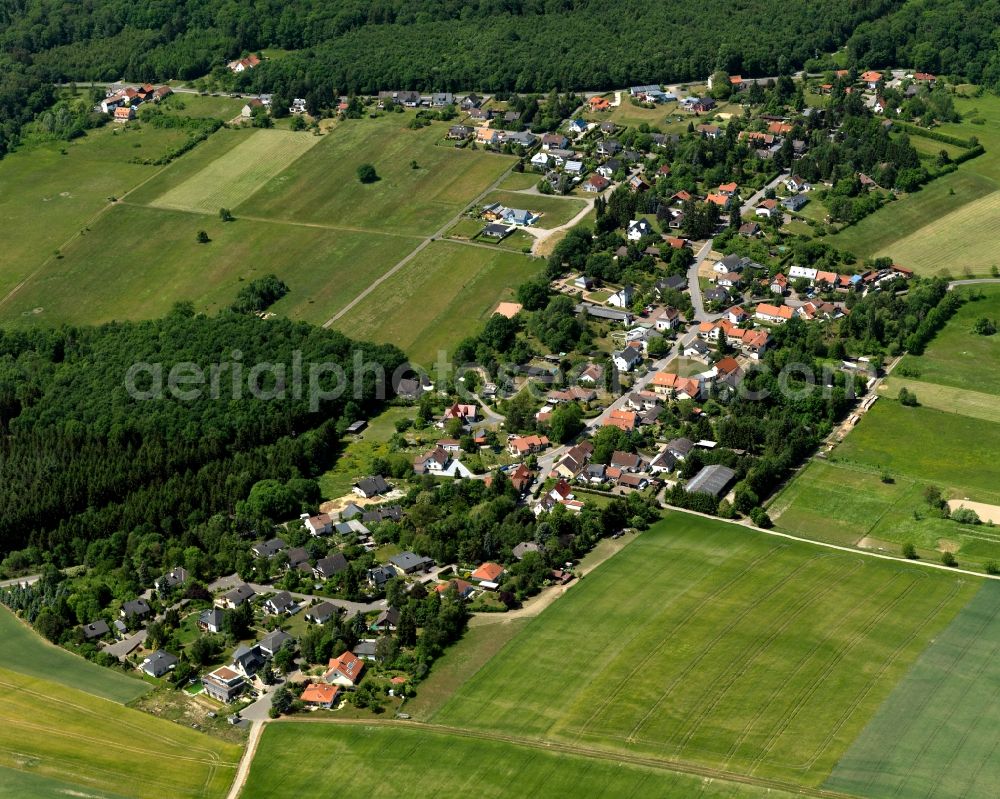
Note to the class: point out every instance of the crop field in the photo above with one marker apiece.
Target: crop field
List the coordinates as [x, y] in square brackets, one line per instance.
[443, 295]
[24, 651]
[555, 211]
[936, 734]
[322, 186]
[15, 784]
[323, 268]
[724, 654]
[432, 762]
[57, 732]
[230, 179]
[949, 226]
[954, 451]
[958, 357]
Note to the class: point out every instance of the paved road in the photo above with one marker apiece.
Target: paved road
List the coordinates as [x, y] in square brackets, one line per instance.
[30, 579]
[349, 607]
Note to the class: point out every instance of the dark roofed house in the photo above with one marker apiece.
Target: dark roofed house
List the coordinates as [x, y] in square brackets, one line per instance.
[248, 660]
[96, 629]
[497, 230]
[137, 608]
[171, 579]
[371, 486]
[680, 448]
[524, 548]
[380, 575]
[389, 513]
[409, 388]
[409, 562]
[387, 620]
[273, 641]
[210, 620]
[329, 566]
[711, 480]
[267, 549]
[236, 596]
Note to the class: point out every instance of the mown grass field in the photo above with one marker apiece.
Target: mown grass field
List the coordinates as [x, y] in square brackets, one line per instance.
[231, 178]
[935, 737]
[24, 651]
[950, 225]
[323, 187]
[958, 357]
[850, 505]
[54, 731]
[708, 643]
[47, 197]
[964, 402]
[954, 451]
[443, 295]
[425, 762]
[555, 211]
[16, 784]
[93, 282]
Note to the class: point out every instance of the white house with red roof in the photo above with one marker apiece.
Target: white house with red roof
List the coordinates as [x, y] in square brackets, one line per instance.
[345, 670]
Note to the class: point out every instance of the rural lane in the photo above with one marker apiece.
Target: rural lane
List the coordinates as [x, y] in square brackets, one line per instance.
[243, 771]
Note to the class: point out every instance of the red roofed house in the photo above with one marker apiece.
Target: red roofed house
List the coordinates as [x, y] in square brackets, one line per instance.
[521, 478]
[777, 314]
[345, 670]
[467, 413]
[717, 199]
[318, 695]
[871, 78]
[243, 64]
[779, 284]
[124, 113]
[727, 189]
[668, 384]
[526, 445]
[727, 370]
[464, 588]
[779, 128]
[623, 420]
[768, 208]
[599, 103]
[488, 572]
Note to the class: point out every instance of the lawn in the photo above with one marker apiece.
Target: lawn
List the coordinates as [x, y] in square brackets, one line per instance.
[203, 105]
[957, 452]
[323, 187]
[353, 462]
[935, 736]
[233, 177]
[555, 211]
[443, 295]
[726, 654]
[324, 269]
[517, 181]
[429, 762]
[958, 357]
[950, 224]
[15, 784]
[26, 652]
[53, 731]
[963, 401]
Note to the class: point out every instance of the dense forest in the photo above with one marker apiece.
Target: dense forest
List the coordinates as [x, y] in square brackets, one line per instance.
[353, 46]
[81, 457]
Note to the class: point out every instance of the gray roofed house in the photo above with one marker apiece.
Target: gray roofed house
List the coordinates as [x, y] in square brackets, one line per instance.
[664, 462]
[322, 613]
[497, 230]
[350, 511]
[696, 348]
[595, 472]
[158, 663]
[472, 100]
[680, 448]
[352, 527]
[329, 566]
[268, 549]
[297, 555]
[600, 312]
[524, 548]
[371, 486]
[95, 629]
[248, 659]
[795, 202]
[139, 608]
[280, 604]
[521, 138]
[236, 596]
[365, 650]
[717, 295]
[409, 388]
[711, 480]
[171, 579]
[673, 283]
[380, 575]
[409, 562]
[211, 620]
[273, 641]
[387, 620]
[389, 513]
[439, 99]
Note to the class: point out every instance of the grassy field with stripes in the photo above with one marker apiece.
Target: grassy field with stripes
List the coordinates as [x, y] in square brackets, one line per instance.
[704, 642]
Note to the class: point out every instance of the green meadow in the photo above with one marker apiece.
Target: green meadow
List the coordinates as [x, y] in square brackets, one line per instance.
[443, 295]
[705, 642]
[422, 183]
